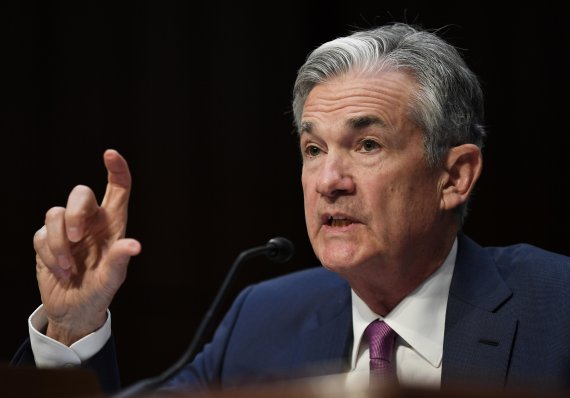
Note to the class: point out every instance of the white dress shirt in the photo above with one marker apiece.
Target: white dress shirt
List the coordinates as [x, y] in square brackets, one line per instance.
[419, 321]
[51, 353]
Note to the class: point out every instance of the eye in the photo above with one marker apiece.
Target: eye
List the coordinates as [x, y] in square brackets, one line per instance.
[368, 145]
[312, 151]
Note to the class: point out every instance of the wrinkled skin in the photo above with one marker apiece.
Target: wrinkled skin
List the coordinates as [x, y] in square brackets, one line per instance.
[82, 255]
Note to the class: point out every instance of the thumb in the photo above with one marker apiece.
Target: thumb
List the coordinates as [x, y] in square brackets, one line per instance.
[118, 256]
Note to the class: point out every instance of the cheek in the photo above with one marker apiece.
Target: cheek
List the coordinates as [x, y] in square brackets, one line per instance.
[400, 201]
[304, 181]
[309, 200]
[420, 202]
[310, 212]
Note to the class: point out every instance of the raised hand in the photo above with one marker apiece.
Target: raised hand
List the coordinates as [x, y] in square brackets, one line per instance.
[82, 255]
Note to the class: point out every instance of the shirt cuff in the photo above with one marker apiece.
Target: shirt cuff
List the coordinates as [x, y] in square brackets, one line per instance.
[51, 353]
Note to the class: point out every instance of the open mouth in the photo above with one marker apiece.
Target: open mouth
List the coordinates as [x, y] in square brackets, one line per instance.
[338, 221]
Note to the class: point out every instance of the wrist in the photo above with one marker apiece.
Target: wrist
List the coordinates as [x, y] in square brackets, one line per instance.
[68, 333]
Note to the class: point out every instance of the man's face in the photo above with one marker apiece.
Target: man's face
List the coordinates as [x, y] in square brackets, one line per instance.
[370, 197]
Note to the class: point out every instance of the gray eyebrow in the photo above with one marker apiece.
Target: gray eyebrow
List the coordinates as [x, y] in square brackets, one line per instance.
[306, 127]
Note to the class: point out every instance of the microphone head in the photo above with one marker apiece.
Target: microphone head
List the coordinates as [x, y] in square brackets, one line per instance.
[280, 249]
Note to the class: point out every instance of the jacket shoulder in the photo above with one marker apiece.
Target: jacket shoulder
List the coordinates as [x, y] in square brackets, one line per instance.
[306, 289]
[525, 259]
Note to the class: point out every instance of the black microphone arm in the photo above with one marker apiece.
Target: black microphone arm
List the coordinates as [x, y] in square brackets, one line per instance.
[278, 249]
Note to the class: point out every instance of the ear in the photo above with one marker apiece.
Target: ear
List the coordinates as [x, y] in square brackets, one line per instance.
[462, 168]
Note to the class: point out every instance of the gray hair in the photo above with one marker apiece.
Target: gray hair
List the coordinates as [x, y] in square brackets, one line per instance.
[448, 104]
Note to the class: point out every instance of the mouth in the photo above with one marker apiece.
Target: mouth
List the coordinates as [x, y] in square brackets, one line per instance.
[338, 221]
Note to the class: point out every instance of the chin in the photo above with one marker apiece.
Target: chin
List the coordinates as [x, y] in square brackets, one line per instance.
[340, 263]
[346, 258]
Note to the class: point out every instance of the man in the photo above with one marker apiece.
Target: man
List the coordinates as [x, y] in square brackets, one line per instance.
[390, 125]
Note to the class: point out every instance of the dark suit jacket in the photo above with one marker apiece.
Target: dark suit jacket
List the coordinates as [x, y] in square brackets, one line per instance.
[507, 324]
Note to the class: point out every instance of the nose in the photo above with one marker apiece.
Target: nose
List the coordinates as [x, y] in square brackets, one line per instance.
[334, 178]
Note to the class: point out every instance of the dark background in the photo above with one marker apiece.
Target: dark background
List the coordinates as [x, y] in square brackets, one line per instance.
[197, 98]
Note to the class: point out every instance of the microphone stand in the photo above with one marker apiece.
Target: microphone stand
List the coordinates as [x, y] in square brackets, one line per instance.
[277, 249]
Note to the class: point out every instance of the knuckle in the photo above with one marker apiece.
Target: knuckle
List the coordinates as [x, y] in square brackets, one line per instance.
[54, 213]
[40, 237]
[81, 190]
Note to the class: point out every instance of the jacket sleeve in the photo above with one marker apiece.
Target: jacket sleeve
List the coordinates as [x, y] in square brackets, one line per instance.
[104, 364]
[205, 370]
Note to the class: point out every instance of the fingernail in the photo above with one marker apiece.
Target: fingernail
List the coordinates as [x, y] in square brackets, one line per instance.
[73, 234]
[64, 262]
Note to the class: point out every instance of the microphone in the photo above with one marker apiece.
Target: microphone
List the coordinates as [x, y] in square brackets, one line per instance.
[278, 249]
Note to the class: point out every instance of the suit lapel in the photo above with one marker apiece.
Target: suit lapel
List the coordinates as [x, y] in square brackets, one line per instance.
[478, 339]
[326, 346]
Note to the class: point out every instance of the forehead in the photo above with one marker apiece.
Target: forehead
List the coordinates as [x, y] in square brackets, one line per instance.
[384, 96]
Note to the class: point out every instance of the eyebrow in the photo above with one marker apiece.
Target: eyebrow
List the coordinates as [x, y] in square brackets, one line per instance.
[354, 123]
[361, 122]
[306, 127]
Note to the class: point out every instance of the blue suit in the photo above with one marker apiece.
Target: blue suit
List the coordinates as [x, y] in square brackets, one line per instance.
[507, 324]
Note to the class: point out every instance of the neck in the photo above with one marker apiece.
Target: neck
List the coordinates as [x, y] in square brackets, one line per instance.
[382, 286]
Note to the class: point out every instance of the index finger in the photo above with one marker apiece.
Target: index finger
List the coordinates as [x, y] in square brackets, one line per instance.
[118, 181]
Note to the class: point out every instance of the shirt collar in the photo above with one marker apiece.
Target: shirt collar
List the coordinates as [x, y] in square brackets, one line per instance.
[419, 319]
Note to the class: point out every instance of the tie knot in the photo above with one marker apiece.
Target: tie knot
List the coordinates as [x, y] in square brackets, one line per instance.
[380, 340]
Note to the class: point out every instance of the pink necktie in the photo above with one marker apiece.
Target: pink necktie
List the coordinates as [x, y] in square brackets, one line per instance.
[381, 345]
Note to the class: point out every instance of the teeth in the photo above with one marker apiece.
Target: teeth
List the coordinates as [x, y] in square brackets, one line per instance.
[338, 221]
